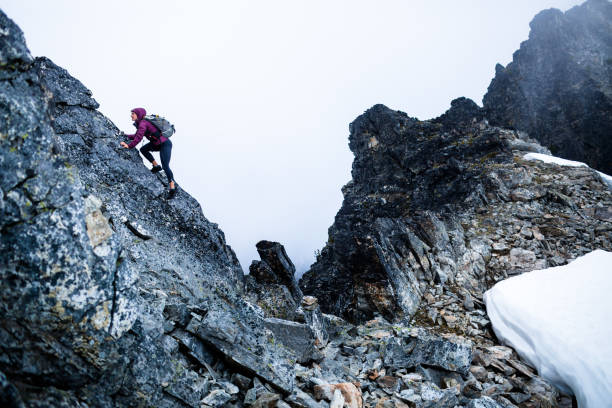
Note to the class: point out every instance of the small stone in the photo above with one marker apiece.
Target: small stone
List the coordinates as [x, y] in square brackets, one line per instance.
[409, 396]
[300, 399]
[522, 258]
[517, 397]
[309, 302]
[380, 334]
[229, 387]
[483, 402]
[337, 400]
[468, 303]
[472, 388]
[450, 320]
[430, 392]
[250, 397]
[500, 352]
[388, 383]
[500, 247]
[399, 404]
[538, 235]
[282, 404]
[216, 398]
[526, 232]
[241, 381]
[479, 372]
[522, 368]
[266, 400]
[412, 378]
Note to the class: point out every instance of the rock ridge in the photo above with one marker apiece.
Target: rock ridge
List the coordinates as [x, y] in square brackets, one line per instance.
[456, 205]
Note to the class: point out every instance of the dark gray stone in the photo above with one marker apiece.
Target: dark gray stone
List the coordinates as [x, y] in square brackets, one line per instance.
[274, 299]
[430, 350]
[300, 399]
[241, 381]
[262, 272]
[241, 336]
[298, 337]
[483, 402]
[462, 110]
[196, 348]
[188, 387]
[275, 256]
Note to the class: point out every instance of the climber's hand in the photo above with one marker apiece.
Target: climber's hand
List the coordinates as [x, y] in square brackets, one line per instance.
[125, 145]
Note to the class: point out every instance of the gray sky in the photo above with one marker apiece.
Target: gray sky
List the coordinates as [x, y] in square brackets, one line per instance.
[262, 92]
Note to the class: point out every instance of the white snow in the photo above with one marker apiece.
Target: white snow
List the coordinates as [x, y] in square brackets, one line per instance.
[563, 162]
[560, 321]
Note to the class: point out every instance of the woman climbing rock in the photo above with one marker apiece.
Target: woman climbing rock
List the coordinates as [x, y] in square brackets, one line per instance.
[157, 143]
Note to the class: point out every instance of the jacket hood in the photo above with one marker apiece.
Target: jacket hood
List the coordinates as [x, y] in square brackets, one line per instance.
[140, 113]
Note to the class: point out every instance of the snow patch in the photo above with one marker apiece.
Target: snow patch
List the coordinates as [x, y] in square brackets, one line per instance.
[559, 320]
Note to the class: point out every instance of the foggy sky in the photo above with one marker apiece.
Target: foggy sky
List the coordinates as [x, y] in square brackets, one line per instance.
[262, 92]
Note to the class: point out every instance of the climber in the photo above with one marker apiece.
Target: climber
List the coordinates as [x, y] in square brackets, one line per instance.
[157, 143]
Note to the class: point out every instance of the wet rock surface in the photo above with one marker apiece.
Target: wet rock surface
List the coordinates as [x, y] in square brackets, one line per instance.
[558, 87]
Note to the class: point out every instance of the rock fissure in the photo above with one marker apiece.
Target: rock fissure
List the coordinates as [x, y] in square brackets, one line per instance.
[135, 231]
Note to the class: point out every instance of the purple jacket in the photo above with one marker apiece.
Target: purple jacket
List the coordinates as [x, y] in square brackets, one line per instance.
[146, 129]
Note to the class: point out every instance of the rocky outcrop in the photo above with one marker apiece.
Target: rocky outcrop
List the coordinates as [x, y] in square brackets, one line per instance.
[457, 205]
[437, 212]
[271, 282]
[558, 87]
[110, 294]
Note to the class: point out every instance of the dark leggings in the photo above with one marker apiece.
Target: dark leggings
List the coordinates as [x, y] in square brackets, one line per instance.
[165, 151]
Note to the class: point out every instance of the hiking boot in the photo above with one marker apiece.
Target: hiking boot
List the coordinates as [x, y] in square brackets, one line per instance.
[172, 193]
[156, 169]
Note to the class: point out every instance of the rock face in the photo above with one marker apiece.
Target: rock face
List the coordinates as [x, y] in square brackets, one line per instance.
[110, 295]
[432, 203]
[558, 87]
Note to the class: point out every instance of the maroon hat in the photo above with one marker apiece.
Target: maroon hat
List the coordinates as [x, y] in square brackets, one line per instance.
[140, 112]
